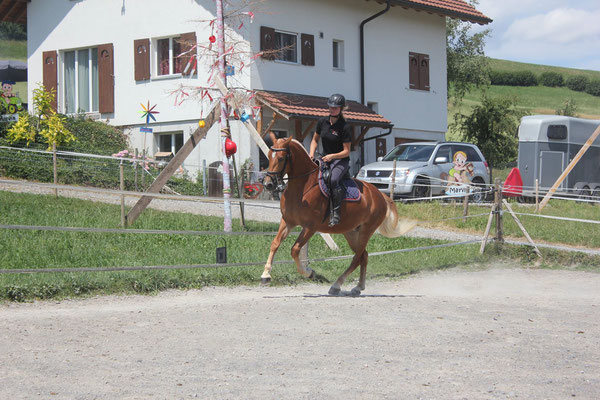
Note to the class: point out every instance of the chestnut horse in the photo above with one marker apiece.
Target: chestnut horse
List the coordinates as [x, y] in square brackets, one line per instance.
[302, 204]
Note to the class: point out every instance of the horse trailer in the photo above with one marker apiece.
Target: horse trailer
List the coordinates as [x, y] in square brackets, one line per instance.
[548, 143]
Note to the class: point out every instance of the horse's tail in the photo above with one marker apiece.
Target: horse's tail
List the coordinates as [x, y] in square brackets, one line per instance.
[393, 226]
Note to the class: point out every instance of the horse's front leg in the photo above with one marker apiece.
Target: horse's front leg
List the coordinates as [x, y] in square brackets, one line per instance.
[283, 232]
[303, 238]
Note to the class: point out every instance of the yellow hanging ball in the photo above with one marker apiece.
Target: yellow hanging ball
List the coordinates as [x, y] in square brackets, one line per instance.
[201, 123]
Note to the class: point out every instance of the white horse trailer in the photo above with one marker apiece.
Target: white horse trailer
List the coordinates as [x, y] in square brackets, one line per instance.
[548, 143]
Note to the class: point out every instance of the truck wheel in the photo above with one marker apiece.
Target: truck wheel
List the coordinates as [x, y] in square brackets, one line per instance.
[421, 188]
[585, 193]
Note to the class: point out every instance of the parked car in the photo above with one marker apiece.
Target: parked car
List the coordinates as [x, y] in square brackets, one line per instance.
[425, 169]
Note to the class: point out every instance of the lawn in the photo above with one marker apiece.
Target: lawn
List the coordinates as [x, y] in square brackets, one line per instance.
[21, 249]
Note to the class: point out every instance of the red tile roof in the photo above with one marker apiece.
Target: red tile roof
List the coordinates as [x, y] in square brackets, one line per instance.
[459, 9]
[302, 106]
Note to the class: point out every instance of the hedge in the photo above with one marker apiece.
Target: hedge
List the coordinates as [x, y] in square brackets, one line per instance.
[593, 87]
[577, 82]
[551, 79]
[517, 78]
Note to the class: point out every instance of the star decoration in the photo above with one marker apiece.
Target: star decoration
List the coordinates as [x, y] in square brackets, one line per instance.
[148, 112]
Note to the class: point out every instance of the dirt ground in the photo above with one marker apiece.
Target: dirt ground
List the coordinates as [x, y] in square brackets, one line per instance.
[502, 332]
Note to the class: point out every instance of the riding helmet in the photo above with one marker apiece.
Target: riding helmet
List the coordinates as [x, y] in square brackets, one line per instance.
[336, 100]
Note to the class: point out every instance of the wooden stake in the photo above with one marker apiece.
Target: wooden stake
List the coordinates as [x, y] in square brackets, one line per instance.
[239, 187]
[522, 228]
[571, 165]
[498, 205]
[55, 168]
[487, 230]
[122, 187]
[465, 207]
[537, 196]
[393, 186]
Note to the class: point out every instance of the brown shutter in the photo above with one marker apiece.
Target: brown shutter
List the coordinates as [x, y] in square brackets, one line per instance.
[413, 70]
[50, 62]
[308, 49]
[424, 72]
[106, 78]
[188, 42]
[141, 57]
[267, 42]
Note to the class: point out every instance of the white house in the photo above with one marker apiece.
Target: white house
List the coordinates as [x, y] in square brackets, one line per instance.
[105, 57]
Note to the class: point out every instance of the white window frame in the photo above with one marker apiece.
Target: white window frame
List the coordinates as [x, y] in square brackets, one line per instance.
[154, 58]
[297, 62]
[63, 93]
[173, 140]
[340, 58]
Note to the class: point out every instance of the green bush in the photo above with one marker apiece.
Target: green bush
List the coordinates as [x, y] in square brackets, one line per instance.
[551, 79]
[577, 82]
[95, 137]
[593, 87]
[12, 31]
[517, 78]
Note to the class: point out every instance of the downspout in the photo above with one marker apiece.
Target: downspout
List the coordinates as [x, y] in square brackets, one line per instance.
[362, 49]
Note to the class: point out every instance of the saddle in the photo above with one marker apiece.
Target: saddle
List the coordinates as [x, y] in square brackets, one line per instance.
[351, 192]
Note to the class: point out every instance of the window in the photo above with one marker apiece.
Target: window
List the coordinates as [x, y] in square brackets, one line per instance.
[557, 132]
[472, 155]
[338, 54]
[166, 52]
[170, 142]
[286, 43]
[80, 74]
[418, 70]
[409, 152]
[444, 151]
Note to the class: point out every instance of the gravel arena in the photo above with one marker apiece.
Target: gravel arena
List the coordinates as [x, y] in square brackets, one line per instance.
[493, 333]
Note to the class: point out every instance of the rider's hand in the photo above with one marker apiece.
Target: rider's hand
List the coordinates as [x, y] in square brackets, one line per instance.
[327, 158]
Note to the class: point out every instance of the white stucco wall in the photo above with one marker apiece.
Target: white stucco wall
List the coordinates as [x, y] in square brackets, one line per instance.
[66, 25]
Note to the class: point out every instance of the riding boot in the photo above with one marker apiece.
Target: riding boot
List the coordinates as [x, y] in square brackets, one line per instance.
[336, 196]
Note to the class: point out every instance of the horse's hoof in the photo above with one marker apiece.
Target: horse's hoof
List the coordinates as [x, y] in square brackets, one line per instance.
[312, 275]
[334, 291]
[355, 292]
[265, 281]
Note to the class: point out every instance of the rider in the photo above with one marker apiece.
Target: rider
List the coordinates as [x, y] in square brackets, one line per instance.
[335, 135]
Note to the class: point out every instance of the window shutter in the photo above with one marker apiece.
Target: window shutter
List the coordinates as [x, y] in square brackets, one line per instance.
[308, 49]
[141, 57]
[424, 72]
[106, 79]
[413, 70]
[188, 46]
[49, 59]
[267, 42]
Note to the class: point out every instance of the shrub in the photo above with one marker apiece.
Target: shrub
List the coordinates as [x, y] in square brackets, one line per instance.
[12, 31]
[593, 87]
[518, 78]
[551, 79]
[577, 82]
[569, 108]
[95, 137]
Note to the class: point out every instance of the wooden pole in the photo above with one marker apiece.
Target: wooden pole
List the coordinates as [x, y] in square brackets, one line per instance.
[465, 207]
[239, 186]
[571, 165]
[172, 166]
[144, 168]
[537, 196]
[537, 251]
[487, 230]
[135, 171]
[393, 186]
[498, 206]
[55, 168]
[122, 187]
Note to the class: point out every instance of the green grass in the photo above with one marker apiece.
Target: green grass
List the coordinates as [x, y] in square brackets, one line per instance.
[13, 50]
[514, 66]
[44, 249]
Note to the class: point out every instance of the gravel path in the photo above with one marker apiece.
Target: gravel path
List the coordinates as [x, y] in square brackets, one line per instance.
[500, 333]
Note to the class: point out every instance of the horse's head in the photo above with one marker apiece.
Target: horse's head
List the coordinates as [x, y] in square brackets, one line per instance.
[279, 162]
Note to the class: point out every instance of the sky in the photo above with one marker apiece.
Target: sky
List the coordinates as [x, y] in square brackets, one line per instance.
[549, 32]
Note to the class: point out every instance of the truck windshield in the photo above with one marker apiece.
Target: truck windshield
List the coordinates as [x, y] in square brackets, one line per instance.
[410, 152]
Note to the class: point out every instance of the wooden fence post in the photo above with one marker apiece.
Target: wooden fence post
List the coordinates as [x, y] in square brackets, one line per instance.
[393, 186]
[498, 207]
[122, 187]
[465, 207]
[135, 170]
[55, 168]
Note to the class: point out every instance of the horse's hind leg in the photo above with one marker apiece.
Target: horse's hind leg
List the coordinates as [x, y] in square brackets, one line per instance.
[303, 238]
[283, 232]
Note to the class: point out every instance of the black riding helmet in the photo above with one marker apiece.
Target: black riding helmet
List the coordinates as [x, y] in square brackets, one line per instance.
[336, 100]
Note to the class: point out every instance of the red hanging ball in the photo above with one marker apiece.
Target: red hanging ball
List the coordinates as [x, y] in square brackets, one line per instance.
[230, 147]
[212, 38]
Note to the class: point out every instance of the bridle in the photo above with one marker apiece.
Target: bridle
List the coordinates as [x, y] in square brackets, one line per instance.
[277, 177]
